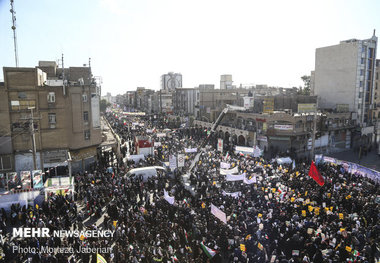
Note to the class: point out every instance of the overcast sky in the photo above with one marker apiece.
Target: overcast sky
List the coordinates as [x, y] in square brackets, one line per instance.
[133, 42]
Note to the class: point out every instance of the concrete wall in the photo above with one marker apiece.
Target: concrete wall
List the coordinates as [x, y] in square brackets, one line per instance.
[336, 75]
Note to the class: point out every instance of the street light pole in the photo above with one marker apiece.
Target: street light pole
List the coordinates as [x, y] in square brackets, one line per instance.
[314, 131]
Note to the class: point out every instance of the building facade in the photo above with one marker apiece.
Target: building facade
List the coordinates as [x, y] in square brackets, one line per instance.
[226, 82]
[344, 75]
[62, 105]
[171, 81]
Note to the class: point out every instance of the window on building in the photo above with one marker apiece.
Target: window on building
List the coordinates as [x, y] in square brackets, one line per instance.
[5, 163]
[15, 105]
[361, 72]
[362, 61]
[85, 116]
[51, 97]
[84, 96]
[361, 84]
[52, 118]
[377, 75]
[87, 134]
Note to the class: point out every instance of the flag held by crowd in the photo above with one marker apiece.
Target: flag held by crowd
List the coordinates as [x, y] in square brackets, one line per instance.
[208, 251]
[315, 174]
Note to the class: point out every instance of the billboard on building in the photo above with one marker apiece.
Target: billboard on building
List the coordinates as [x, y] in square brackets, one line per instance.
[268, 106]
[13, 181]
[25, 179]
[306, 107]
[37, 179]
[283, 127]
[248, 102]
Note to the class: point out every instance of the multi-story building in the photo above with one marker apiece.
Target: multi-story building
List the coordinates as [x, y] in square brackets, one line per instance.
[226, 82]
[184, 101]
[63, 105]
[376, 101]
[376, 93]
[344, 75]
[171, 81]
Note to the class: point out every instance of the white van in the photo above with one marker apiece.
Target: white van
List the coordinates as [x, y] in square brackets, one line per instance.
[145, 172]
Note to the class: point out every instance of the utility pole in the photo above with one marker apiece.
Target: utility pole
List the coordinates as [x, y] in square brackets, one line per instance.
[314, 131]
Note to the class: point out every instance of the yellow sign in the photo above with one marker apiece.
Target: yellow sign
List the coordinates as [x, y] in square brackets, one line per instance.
[203, 205]
[306, 193]
[348, 197]
[342, 229]
[292, 199]
[316, 210]
[242, 247]
[331, 208]
[348, 249]
[303, 212]
[260, 215]
[114, 223]
[268, 106]
[310, 208]
[329, 195]
[340, 216]
[273, 190]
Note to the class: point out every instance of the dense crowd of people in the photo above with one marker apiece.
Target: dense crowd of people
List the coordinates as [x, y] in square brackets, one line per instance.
[277, 214]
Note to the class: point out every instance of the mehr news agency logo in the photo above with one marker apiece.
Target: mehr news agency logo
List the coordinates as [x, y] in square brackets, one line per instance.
[29, 232]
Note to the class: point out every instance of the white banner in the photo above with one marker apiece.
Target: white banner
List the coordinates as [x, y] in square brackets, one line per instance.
[253, 180]
[220, 145]
[234, 195]
[243, 149]
[283, 127]
[168, 198]
[234, 170]
[172, 162]
[225, 165]
[181, 160]
[257, 152]
[191, 150]
[231, 177]
[149, 130]
[157, 144]
[161, 134]
[218, 214]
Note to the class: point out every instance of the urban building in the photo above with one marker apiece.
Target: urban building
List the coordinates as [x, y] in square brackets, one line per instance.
[185, 100]
[376, 109]
[344, 77]
[171, 81]
[226, 82]
[52, 110]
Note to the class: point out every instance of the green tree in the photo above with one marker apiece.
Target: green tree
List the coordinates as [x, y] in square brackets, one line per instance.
[306, 86]
[103, 105]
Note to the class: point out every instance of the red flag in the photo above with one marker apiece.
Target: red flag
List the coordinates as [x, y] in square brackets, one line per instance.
[315, 174]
